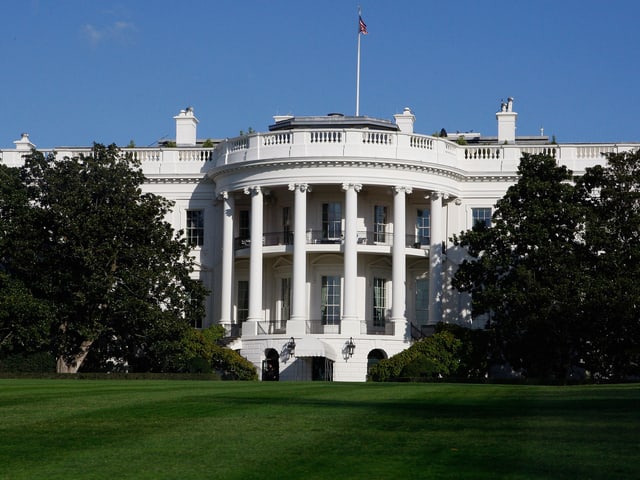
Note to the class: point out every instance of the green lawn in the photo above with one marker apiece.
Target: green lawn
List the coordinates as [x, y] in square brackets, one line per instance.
[91, 429]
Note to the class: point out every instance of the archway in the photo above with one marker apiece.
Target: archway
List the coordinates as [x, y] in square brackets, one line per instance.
[374, 357]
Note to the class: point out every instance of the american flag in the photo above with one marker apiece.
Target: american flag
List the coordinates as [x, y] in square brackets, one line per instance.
[363, 26]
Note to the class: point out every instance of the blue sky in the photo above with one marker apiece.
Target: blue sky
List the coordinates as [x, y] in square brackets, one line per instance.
[77, 71]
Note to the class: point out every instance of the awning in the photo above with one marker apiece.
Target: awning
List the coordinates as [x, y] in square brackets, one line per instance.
[312, 347]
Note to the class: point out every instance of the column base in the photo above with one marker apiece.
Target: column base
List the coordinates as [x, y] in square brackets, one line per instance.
[296, 326]
[401, 328]
[350, 326]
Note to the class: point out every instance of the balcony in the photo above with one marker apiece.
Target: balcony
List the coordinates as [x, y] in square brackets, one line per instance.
[320, 237]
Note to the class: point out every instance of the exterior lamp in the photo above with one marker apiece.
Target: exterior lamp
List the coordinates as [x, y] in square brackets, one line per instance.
[350, 347]
[291, 346]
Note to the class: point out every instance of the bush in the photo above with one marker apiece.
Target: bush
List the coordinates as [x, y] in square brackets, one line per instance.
[39, 362]
[202, 352]
[230, 365]
[452, 352]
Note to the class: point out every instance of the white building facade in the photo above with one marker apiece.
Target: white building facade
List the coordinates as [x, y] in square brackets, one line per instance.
[325, 242]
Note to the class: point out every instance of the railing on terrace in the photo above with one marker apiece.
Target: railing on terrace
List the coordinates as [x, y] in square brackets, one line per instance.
[371, 237]
[318, 327]
[322, 236]
[368, 328]
[381, 144]
[269, 239]
[272, 327]
[417, 241]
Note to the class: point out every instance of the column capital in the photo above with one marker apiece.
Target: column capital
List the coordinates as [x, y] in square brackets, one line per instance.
[222, 195]
[356, 186]
[435, 196]
[253, 190]
[403, 188]
[302, 187]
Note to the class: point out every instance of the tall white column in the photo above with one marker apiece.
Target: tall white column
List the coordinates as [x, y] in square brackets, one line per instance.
[297, 323]
[255, 261]
[435, 260]
[398, 257]
[226, 278]
[350, 323]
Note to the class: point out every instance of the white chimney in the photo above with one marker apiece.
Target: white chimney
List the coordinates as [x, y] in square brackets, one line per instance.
[24, 144]
[405, 120]
[186, 126]
[506, 122]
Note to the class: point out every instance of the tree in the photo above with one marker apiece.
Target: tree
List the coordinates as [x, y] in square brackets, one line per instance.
[525, 274]
[89, 242]
[612, 194]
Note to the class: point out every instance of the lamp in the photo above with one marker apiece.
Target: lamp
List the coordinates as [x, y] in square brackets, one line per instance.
[291, 346]
[350, 347]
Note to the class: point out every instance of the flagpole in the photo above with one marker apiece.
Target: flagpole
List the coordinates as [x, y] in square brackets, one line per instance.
[362, 29]
[358, 78]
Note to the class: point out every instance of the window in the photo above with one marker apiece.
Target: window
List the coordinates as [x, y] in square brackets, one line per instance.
[481, 215]
[423, 227]
[244, 227]
[285, 299]
[243, 301]
[379, 224]
[195, 228]
[286, 225]
[379, 301]
[331, 221]
[331, 300]
[422, 301]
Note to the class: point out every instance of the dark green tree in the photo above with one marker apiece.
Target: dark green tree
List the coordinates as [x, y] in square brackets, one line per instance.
[525, 274]
[99, 251]
[612, 312]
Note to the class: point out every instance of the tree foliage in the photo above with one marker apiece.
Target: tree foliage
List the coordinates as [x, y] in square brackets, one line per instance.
[555, 272]
[82, 240]
[612, 302]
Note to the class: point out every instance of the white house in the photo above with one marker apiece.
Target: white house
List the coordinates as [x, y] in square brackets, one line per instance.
[325, 241]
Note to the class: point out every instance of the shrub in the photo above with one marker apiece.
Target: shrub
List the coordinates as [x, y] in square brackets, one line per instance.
[39, 362]
[436, 354]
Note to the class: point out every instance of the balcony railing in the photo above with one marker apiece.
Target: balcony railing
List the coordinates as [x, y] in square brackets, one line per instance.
[368, 328]
[272, 327]
[318, 327]
[322, 236]
[417, 241]
[368, 237]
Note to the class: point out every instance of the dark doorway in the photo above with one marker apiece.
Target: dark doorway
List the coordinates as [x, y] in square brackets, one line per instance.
[322, 369]
[271, 366]
[374, 357]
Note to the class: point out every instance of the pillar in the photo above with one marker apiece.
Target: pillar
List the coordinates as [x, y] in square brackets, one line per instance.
[350, 323]
[435, 260]
[297, 323]
[398, 258]
[226, 278]
[255, 261]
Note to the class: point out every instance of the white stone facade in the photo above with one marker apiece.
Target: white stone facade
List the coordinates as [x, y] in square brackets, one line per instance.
[330, 230]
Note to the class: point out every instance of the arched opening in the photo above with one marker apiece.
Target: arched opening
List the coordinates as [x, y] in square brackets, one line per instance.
[271, 366]
[374, 357]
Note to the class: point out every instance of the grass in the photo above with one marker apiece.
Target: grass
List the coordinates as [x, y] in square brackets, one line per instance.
[87, 429]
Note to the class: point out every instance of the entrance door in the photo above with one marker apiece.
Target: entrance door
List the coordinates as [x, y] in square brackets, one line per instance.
[322, 369]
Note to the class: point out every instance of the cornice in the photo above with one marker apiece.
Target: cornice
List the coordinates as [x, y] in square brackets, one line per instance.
[172, 180]
[378, 164]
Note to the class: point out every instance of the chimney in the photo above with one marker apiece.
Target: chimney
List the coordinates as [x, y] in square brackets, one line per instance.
[506, 122]
[186, 126]
[24, 144]
[405, 120]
